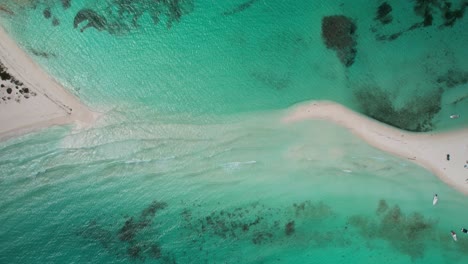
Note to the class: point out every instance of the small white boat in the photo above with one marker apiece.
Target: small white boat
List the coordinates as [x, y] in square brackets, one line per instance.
[454, 116]
[435, 199]
[454, 236]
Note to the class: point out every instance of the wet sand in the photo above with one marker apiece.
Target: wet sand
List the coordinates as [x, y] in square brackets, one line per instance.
[428, 150]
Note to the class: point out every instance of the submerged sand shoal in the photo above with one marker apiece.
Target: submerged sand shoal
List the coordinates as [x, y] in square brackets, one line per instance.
[47, 103]
[428, 150]
[34, 99]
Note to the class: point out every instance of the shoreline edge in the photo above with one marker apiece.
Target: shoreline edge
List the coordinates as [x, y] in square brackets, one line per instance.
[50, 104]
[445, 154]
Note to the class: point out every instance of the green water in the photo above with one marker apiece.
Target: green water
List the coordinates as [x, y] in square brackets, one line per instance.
[223, 193]
[268, 56]
[191, 162]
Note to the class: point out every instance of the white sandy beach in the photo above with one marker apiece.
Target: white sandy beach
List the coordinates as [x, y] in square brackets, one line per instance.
[47, 102]
[428, 150]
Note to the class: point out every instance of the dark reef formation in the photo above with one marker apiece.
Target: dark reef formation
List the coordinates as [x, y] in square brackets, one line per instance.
[121, 16]
[446, 10]
[384, 13]
[133, 226]
[316, 211]
[239, 8]
[47, 7]
[47, 14]
[130, 241]
[42, 54]
[289, 228]
[453, 78]
[418, 112]
[66, 4]
[416, 115]
[339, 34]
[94, 20]
[55, 22]
[200, 232]
[271, 80]
[406, 233]
[113, 16]
[11, 88]
[6, 10]
[257, 223]
[137, 237]
[442, 13]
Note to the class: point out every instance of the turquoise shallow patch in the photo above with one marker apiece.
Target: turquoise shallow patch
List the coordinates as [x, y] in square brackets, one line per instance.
[248, 189]
[213, 57]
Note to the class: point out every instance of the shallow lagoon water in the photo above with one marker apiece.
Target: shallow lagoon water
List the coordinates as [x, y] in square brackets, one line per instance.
[191, 163]
[246, 189]
[241, 56]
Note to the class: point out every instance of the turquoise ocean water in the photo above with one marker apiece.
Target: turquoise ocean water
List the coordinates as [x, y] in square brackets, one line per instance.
[191, 164]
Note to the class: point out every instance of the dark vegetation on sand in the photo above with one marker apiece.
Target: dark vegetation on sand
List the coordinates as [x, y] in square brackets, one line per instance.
[11, 88]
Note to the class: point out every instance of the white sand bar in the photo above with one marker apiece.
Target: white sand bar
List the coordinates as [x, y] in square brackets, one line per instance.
[428, 150]
[46, 103]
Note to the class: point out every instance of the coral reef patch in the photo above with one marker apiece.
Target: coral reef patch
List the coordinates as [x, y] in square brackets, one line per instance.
[440, 13]
[405, 233]
[137, 238]
[453, 78]
[384, 15]
[259, 224]
[339, 34]
[66, 4]
[43, 54]
[112, 16]
[94, 20]
[416, 114]
[130, 241]
[121, 16]
[6, 10]
[239, 8]
[200, 232]
[271, 80]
